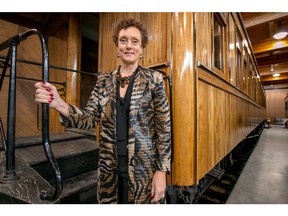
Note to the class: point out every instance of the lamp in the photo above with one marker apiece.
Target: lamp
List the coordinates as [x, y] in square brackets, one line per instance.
[280, 35]
[272, 70]
[279, 30]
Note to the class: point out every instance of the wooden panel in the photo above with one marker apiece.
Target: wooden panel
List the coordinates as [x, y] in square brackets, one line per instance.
[211, 132]
[232, 51]
[157, 52]
[203, 39]
[30, 49]
[26, 108]
[226, 113]
[108, 60]
[223, 121]
[27, 111]
[57, 44]
[7, 30]
[73, 60]
[184, 99]
[275, 103]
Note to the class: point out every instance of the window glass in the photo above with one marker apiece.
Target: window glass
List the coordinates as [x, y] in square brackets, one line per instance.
[218, 42]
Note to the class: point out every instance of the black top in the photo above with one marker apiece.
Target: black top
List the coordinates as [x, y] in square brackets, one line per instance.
[122, 109]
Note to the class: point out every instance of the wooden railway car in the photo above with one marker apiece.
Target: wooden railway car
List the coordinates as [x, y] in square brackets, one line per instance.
[217, 96]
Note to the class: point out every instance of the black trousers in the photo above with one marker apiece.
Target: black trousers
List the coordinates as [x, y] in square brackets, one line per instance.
[123, 179]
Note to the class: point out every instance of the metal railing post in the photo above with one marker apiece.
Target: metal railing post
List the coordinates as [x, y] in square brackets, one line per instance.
[10, 150]
[10, 174]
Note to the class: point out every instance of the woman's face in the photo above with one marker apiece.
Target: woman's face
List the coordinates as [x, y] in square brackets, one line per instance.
[130, 45]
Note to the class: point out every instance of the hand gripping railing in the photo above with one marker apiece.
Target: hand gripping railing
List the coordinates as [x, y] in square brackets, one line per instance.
[10, 175]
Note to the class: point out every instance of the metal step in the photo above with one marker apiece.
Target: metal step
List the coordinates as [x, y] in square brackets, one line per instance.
[77, 158]
[74, 157]
[80, 189]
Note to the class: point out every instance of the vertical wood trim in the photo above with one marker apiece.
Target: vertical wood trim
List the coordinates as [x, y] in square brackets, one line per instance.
[73, 60]
[169, 40]
[57, 45]
[183, 99]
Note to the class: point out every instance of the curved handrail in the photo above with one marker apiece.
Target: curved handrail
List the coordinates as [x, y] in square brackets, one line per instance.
[45, 195]
[3, 135]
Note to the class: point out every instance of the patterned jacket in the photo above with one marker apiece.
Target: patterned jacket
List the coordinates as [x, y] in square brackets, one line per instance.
[149, 136]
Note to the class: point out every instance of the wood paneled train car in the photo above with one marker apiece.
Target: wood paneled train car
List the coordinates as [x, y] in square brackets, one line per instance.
[217, 97]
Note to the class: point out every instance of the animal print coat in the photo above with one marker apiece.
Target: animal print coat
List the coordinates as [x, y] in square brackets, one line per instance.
[148, 137]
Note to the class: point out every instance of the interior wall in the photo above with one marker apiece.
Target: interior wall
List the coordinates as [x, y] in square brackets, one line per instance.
[275, 103]
[26, 108]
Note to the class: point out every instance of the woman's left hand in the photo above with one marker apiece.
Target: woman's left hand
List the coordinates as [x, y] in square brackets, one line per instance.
[158, 186]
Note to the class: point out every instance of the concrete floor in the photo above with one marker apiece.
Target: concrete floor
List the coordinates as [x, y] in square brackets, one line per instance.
[264, 179]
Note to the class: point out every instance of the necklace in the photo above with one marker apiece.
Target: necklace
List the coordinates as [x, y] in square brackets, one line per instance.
[122, 80]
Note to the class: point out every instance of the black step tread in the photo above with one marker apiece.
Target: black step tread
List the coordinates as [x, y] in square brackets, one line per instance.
[35, 154]
[79, 183]
[53, 137]
[91, 132]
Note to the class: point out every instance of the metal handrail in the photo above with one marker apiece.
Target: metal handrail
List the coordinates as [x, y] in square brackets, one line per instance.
[3, 135]
[52, 66]
[12, 43]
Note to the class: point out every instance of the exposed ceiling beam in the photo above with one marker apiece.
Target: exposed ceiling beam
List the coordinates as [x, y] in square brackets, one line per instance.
[270, 80]
[274, 82]
[55, 22]
[274, 59]
[21, 21]
[279, 68]
[253, 19]
[269, 45]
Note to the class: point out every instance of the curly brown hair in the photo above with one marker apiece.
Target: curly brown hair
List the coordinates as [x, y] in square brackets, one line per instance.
[126, 23]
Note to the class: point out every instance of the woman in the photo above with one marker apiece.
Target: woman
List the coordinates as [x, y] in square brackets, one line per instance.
[132, 106]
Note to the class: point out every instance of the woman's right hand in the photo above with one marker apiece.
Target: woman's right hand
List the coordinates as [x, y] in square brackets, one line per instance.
[47, 93]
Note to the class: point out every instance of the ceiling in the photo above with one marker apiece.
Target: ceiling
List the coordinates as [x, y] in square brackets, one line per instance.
[260, 28]
[271, 54]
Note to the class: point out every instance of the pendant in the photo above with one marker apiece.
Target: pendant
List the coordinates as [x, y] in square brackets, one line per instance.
[123, 81]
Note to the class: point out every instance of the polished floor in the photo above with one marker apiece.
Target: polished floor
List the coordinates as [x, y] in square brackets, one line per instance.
[264, 179]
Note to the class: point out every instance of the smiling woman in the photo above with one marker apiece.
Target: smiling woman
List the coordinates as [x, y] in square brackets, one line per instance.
[135, 147]
[214, 81]
[129, 50]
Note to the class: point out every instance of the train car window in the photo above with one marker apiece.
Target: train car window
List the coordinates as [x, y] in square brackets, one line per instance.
[238, 66]
[239, 73]
[250, 82]
[245, 70]
[245, 76]
[232, 49]
[254, 83]
[219, 28]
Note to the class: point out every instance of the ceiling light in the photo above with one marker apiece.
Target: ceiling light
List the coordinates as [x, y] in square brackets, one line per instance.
[276, 75]
[280, 35]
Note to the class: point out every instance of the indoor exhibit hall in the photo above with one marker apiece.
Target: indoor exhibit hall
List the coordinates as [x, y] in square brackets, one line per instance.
[205, 113]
